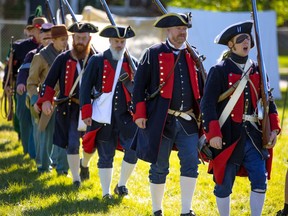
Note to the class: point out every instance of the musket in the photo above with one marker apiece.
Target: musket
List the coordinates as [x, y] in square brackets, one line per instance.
[8, 96]
[263, 86]
[127, 54]
[62, 11]
[52, 17]
[198, 59]
[70, 10]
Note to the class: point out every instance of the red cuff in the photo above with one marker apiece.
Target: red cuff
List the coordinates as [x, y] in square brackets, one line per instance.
[140, 111]
[86, 111]
[274, 122]
[47, 95]
[214, 130]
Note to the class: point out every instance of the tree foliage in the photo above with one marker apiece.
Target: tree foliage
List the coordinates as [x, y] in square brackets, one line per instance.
[279, 6]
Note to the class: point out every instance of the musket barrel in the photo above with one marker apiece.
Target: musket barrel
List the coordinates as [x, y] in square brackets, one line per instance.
[266, 130]
[51, 12]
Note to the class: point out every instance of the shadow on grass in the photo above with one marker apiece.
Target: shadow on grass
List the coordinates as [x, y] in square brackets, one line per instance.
[20, 182]
[7, 145]
[6, 128]
[66, 207]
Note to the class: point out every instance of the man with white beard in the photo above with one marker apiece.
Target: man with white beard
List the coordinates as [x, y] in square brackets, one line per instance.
[108, 118]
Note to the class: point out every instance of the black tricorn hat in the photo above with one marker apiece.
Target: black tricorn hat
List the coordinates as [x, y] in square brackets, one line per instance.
[174, 19]
[30, 19]
[79, 27]
[112, 31]
[231, 31]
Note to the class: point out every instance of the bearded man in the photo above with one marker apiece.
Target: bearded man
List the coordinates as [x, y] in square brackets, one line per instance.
[66, 69]
[108, 118]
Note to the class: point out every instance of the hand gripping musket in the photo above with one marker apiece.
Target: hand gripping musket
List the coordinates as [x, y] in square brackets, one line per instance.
[196, 57]
[264, 86]
[127, 54]
[52, 17]
[8, 96]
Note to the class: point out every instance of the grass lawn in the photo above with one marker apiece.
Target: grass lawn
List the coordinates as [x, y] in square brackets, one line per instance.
[283, 61]
[24, 192]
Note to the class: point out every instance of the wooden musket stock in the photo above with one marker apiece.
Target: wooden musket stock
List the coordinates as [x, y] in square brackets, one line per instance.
[266, 130]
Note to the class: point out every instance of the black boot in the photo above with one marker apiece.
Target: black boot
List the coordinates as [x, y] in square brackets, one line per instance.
[191, 213]
[158, 213]
[84, 172]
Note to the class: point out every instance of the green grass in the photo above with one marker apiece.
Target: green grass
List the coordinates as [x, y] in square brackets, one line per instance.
[283, 61]
[24, 192]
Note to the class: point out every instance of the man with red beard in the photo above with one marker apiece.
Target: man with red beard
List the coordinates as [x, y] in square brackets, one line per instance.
[67, 70]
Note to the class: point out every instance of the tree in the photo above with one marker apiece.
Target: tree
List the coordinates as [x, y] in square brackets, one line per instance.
[279, 6]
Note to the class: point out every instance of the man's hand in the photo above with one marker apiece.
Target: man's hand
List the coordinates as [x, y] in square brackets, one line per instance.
[36, 108]
[88, 121]
[47, 108]
[272, 139]
[21, 88]
[216, 142]
[8, 90]
[141, 123]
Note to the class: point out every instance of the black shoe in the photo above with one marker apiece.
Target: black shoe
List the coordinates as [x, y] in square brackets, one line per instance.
[121, 191]
[280, 213]
[62, 173]
[84, 172]
[107, 197]
[191, 213]
[158, 213]
[44, 170]
[77, 184]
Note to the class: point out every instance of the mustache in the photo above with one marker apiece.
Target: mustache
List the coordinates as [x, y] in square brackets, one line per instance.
[80, 44]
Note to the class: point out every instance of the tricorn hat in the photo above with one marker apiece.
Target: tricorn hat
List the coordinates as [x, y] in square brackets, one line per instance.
[30, 20]
[59, 31]
[112, 31]
[231, 31]
[37, 23]
[82, 27]
[174, 19]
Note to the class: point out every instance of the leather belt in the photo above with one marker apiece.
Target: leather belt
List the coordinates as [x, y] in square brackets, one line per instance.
[250, 118]
[75, 100]
[66, 99]
[188, 115]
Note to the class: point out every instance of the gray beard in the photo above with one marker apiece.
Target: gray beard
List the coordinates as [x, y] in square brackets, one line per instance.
[116, 55]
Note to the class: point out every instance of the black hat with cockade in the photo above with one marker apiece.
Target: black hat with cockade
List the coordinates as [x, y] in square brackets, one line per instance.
[80, 27]
[112, 31]
[174, 19]
[231, 31]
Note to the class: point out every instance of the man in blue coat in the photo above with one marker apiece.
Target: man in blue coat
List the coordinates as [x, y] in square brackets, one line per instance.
[20, 49]
[109, 117]
[67, 71]
[236, 140]
[166, 99]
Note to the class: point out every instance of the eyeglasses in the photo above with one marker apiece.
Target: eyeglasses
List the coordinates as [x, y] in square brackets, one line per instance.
[242, 38]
